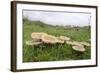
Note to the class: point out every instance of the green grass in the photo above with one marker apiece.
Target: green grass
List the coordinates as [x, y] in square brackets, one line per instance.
[57, 52]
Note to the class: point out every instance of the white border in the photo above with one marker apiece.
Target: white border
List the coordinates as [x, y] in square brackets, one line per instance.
[21, 65]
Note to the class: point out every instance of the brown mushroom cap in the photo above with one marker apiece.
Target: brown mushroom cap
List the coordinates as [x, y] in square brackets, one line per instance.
[37, 35]
[49, 39]
[78, 48]
[64, 38]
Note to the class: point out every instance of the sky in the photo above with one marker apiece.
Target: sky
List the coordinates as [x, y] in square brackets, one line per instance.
[58, 18]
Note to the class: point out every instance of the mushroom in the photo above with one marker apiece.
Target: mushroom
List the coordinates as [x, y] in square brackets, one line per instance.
[49, 39]
[36, 36]
[70, 42]
[85, 43]
[64, 38]
[77, 43]
[73, 43]
[31, 43]
[59, 40]
[79, 48]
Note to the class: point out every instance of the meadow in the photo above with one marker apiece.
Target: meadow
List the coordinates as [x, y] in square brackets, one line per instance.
[54, 52]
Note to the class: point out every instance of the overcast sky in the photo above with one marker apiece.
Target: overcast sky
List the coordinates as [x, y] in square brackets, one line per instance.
[59, 18]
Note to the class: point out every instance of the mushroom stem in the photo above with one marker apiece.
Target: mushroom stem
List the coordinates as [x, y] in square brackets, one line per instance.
[77, 54]
[78, 50]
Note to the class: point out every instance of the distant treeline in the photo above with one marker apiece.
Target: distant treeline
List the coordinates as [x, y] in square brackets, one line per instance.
[40, 23]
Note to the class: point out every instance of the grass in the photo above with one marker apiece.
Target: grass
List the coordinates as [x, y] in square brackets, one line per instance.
[47, 52]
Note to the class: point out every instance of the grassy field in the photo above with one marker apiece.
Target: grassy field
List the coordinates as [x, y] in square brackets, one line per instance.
[54, 52]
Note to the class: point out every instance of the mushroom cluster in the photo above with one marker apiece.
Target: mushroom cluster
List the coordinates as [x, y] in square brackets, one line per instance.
[41, 37]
